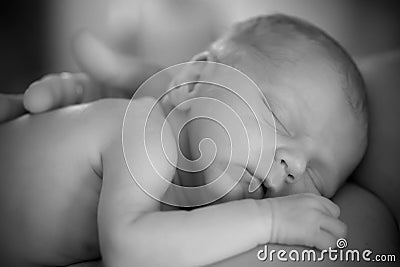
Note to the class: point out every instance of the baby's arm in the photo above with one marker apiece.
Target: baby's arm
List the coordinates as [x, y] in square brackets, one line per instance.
[133, 230]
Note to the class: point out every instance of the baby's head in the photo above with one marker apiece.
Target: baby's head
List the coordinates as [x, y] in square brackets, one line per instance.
[314, 90]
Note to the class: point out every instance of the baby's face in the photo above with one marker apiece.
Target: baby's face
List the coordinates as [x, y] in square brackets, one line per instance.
[318, 139]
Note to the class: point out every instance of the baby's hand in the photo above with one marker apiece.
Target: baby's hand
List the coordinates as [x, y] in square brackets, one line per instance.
[305, 219]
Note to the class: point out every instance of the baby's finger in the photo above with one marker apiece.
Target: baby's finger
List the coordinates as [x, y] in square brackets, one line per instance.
[324, 240]
[333, 226]
[11, 107]
[329, 207]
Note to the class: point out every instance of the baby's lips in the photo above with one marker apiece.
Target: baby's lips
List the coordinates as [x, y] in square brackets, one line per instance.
[273, 179]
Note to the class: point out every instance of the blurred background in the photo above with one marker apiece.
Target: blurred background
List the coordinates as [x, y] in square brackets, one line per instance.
[37, 35]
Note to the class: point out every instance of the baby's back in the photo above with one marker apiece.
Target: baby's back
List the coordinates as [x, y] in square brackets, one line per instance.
[49, 189]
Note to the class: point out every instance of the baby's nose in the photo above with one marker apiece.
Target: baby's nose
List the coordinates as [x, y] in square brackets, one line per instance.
[294, 169]
[292, 163]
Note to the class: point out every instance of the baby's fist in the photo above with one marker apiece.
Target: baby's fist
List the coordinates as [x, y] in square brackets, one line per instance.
[305, 219]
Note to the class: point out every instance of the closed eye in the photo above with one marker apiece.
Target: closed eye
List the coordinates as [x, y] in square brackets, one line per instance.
[278, 123]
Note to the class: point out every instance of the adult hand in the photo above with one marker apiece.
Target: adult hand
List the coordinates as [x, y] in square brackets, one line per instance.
[108, 74]
[11, 106]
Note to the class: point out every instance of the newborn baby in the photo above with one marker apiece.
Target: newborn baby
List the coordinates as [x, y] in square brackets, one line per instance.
[73, 176]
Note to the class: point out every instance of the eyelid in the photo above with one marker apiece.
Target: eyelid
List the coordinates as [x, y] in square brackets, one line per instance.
[278, 122]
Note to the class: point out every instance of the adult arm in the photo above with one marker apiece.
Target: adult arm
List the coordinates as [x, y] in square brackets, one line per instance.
[379, 170]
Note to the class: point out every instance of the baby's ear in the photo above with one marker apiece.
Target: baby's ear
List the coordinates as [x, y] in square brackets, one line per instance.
[184, 85]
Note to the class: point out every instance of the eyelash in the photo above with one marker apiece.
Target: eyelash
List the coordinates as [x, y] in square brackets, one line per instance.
[278, 123]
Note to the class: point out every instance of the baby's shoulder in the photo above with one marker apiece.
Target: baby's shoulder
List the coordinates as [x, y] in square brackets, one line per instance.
[103, 119]
[105, 112]
[107, 115]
